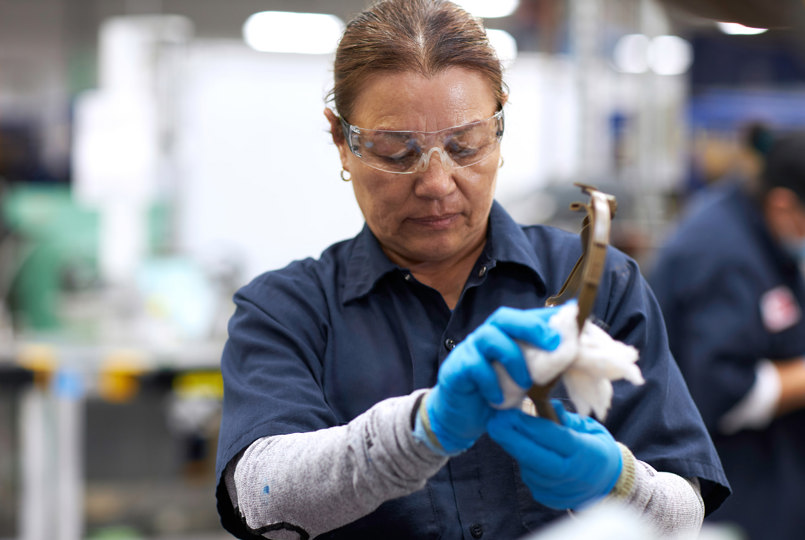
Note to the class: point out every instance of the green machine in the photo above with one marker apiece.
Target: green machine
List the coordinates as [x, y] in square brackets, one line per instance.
[55, 250]
[55, 245]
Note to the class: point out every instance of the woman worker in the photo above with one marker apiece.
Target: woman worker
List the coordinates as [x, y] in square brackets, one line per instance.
[359, 386]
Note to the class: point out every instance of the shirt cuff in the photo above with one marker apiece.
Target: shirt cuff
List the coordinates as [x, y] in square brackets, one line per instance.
[756, 409]
[626, 481]
[423, 432]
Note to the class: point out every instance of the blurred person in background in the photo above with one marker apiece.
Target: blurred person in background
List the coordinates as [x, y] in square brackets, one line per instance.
[359, 387]
[720, 156]
[730, 284]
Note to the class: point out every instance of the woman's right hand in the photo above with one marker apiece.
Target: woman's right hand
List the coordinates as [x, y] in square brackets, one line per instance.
[460, 404]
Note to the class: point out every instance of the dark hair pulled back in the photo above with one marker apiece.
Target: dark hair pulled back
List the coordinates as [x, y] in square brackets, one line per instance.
[421, 36]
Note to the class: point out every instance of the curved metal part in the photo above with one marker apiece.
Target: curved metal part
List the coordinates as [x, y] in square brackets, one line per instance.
[599, 214]
[585, 276]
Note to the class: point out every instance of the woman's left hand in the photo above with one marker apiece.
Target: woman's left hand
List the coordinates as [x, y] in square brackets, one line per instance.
[564, 465]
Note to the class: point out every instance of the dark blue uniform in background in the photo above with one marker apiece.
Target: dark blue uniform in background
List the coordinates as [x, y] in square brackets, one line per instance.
[319, 342]
[731, 296]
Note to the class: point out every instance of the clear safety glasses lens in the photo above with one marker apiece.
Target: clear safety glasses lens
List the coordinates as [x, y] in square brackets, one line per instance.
[407, 152]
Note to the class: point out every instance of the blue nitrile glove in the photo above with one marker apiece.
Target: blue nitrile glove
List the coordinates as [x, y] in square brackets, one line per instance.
[458, 407]
[564, 466]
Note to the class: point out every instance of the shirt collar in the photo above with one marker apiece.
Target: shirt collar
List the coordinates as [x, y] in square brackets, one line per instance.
[506, 243]
[366, 265]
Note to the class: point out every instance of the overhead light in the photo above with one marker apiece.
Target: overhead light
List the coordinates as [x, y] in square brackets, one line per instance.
[631, 53]
[669, 55]
[664, 55]
[736, 29]
[289, 32]
[489, 10]
[504, 44]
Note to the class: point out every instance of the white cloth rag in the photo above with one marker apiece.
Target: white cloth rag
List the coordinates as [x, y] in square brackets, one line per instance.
[587, 364]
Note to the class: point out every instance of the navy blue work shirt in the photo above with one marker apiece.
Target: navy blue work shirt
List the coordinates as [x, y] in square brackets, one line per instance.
[732, 296]
[319, 342]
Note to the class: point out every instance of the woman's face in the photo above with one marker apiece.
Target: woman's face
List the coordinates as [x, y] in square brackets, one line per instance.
[440, 214]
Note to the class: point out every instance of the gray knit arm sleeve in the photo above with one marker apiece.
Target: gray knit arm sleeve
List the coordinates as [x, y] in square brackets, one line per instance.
[297, 486]
[672, 505]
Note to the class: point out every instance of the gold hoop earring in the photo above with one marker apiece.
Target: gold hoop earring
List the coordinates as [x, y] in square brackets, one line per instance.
[346, 176]
[501, 162]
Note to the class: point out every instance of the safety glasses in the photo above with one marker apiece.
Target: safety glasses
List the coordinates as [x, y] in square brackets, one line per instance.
[408, 152]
